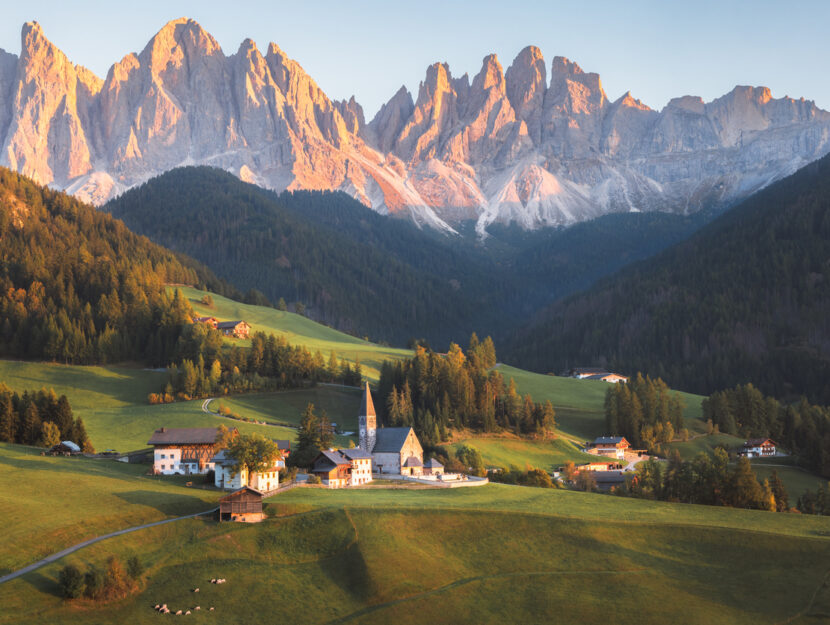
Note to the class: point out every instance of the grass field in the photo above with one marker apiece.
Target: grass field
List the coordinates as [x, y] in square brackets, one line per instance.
[497, 554]
[113, 402]
[523, 454]
[706, 444]
[298, 330]
[50, 503]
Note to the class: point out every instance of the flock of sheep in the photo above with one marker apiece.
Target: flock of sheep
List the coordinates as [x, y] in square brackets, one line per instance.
[163, 609]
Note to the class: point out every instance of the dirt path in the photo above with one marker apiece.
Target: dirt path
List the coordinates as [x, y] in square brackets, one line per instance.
[86, 543]
[206, 408]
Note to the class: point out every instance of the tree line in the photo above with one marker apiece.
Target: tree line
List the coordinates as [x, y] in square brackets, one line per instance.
[708, 480]
[271, 363]
[802, 428]
[435, 393]
[643, 410]
[40, 418]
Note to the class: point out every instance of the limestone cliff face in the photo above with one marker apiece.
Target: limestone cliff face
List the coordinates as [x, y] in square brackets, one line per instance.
[537, 144]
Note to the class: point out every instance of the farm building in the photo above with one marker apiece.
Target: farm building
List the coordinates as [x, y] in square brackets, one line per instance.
[333, 468]
[236, 329]
[394, 450]
[243, 506]
[184, 451]
[211, 321]
[263, 481]
[758, 448]
[611, 446]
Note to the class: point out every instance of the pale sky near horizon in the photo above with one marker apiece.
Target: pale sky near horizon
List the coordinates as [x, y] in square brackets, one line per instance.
[655, 49]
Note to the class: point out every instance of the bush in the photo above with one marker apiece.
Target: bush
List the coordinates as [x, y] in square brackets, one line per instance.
[134, 568]
[71, 581]
[93, 583]
[314, 479]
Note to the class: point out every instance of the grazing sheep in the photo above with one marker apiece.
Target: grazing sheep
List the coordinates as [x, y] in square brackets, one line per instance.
[197, 608]
[179, 613]
[211, 608]
[195, 590]
[186, 613]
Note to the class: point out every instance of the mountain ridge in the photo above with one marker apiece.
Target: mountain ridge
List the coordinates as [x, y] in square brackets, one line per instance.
[535, 144]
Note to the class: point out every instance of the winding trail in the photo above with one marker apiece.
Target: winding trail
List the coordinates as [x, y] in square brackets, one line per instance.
[91, 541]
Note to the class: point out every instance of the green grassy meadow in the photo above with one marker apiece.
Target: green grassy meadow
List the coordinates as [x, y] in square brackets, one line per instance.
[523, 454]
[298, 330]
[493, 554]
[49, 503]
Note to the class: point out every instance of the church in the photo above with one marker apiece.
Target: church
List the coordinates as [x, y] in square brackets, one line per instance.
[395, 451]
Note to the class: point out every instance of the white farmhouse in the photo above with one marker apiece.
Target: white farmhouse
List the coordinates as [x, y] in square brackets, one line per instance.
[183, 451]
[263, 481]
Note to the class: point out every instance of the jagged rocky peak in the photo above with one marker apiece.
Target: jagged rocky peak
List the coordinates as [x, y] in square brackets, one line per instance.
[176, 40]
[385, 128]
[352, 114]
[526, 83]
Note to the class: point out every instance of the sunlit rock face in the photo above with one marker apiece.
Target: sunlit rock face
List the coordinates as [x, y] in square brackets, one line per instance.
[538, 144]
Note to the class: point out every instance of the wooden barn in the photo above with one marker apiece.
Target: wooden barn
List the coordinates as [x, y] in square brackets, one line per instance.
[242, 506]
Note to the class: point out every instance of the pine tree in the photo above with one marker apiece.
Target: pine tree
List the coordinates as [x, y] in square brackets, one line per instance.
[779, 491]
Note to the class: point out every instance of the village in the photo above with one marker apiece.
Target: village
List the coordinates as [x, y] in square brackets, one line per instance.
[391, 453]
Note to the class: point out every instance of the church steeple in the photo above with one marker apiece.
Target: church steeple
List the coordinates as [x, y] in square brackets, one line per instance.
[367, 421]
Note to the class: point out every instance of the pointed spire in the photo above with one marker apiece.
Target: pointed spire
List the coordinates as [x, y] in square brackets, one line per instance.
[367, 407]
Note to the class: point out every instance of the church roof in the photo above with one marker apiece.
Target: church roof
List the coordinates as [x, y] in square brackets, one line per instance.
[390, 440]
[367, 407]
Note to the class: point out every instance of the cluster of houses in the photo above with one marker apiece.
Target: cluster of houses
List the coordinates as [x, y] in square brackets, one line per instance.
[236, 329]
[597, 374]
[388, 451]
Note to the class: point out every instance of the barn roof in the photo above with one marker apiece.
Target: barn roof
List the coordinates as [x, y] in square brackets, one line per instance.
[242, 492]
[390, 440]
[183, 436]
[367, 407]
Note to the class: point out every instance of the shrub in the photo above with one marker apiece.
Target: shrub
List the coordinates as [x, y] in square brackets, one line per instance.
[71, 581]
[134, 568]
[314, 479]
[93, 583]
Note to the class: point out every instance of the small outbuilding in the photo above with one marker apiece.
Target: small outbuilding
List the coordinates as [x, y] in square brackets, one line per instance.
[242, 506]
[433, 467]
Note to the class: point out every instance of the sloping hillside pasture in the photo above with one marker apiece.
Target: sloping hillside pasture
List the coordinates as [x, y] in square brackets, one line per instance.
[297, 330]
[48, 504]
[523, 454]
[492, 555]
[340, 403]
[113, 402]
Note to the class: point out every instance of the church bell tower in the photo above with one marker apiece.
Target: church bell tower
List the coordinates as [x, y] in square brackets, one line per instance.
[367, 421]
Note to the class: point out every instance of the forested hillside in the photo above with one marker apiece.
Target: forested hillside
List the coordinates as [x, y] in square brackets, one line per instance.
[77, 286]
[745, 299]
[365, 273]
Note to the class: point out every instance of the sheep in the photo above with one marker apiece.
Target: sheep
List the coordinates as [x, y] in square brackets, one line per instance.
[179, 613]
[195, 590]
[197, 608]
[211, 608]
[186, 613]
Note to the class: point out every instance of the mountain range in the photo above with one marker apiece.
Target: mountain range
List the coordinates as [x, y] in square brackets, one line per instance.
[536, 145]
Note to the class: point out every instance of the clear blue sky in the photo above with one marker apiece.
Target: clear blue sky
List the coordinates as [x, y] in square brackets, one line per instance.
[657, 50]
